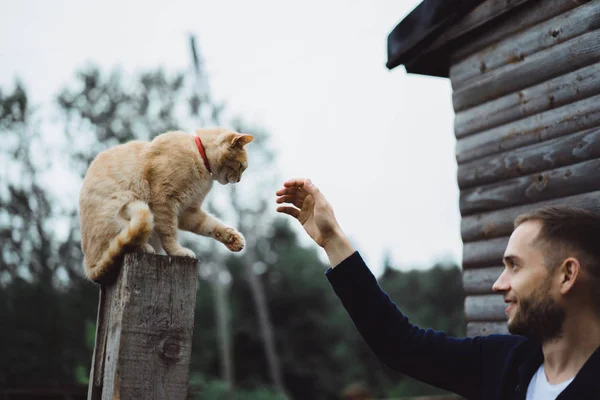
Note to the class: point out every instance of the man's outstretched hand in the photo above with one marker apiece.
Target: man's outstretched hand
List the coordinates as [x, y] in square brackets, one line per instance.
[310, 207]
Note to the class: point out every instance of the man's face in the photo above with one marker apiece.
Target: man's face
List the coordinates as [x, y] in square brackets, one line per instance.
[528, 288]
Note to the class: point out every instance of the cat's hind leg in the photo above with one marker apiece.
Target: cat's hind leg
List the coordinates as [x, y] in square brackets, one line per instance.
[130, 211]
[134, 233]
[146, 248]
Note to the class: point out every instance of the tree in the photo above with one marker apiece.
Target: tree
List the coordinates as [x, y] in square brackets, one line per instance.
[35, 264]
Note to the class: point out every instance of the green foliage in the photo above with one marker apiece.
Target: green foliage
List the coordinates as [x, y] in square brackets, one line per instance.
[431, 298]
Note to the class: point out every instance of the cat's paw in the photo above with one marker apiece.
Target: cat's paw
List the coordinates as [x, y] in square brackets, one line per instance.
[233, 240]
[146, 248]
[184, 252]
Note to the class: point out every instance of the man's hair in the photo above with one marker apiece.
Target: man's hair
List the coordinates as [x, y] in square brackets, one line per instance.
[569, 232]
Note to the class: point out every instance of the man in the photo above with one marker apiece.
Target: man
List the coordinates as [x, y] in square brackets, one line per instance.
[551, 284]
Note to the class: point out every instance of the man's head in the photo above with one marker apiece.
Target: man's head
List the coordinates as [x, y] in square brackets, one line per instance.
[552, 269]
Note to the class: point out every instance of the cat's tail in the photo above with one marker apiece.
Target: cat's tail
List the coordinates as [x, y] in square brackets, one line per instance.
[141, 223]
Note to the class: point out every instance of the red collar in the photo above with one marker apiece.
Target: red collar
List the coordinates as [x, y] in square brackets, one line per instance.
[202, 153]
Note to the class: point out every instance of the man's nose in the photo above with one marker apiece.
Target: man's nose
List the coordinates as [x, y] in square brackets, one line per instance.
[502, 283]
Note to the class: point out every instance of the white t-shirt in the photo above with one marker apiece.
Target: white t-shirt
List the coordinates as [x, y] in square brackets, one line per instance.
[540, 389]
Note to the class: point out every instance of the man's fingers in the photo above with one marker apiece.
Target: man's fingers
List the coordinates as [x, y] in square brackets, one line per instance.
[285, 191]
[294, 183]
[299, 195]
[299, 189]
[292, 191]
[287, 199]
[294, 212]
[313, 190]
[290, 199]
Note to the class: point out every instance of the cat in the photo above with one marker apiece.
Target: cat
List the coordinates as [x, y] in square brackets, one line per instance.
[136, 195]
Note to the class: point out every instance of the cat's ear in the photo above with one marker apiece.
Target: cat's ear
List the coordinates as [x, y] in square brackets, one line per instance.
[241, 139]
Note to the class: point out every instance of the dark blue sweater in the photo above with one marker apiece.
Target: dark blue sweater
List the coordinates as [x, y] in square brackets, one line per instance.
[485, 367]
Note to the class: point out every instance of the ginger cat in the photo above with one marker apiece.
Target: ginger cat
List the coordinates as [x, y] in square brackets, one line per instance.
[140, 190]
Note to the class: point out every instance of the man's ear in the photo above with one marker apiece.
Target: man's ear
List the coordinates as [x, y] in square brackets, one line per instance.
[569, 271]
[241, 139]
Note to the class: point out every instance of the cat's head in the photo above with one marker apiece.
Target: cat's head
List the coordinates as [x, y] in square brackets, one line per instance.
[228, 154]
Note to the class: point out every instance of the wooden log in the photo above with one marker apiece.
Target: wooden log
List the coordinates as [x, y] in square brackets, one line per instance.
[557, 60]
[551, 154]
[486, 328]
[487, 307]
[516, 48]
[147, 319]
[575, 117]
[499, 223]
[565, 89]
[484, 253]
[480, 281]
[559, 182]
[529, 14]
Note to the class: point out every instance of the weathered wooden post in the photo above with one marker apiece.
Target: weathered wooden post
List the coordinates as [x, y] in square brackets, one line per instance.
[144, 330]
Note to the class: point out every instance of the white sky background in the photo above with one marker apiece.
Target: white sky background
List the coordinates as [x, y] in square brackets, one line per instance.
[378, 143]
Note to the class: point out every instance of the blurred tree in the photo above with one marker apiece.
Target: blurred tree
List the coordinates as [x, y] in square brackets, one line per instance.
[103, 111]
[293, 331]
[45, 336]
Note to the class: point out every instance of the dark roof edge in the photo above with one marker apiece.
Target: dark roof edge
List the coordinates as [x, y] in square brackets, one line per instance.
[422, 26]
[423, 41]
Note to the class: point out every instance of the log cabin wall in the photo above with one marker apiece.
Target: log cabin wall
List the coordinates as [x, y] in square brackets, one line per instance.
[526, 96]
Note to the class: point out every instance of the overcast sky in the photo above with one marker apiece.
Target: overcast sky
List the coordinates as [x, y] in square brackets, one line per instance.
[378, 143]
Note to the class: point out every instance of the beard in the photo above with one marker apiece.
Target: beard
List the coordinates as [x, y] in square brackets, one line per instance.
[538, 316]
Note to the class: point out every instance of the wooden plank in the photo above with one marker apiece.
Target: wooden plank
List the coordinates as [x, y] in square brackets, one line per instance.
[551, 154]
[480, 281]
[499, 223]
[150, 328]
[98, 356]
[565, 89]
[575, 117]
[531, 13]
[487, 307]
[516, 48]
[484, 253]
[557, 60]
[486, 328]
[559, 182]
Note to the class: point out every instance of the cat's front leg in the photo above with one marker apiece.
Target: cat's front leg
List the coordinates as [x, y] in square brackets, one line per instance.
[165, 225]
[201, 223]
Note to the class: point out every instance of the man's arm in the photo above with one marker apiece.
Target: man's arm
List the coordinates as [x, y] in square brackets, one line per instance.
[461, 366]
[432, 357]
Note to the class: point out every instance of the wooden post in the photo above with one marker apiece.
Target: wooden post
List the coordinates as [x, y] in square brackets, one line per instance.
[144, 330]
